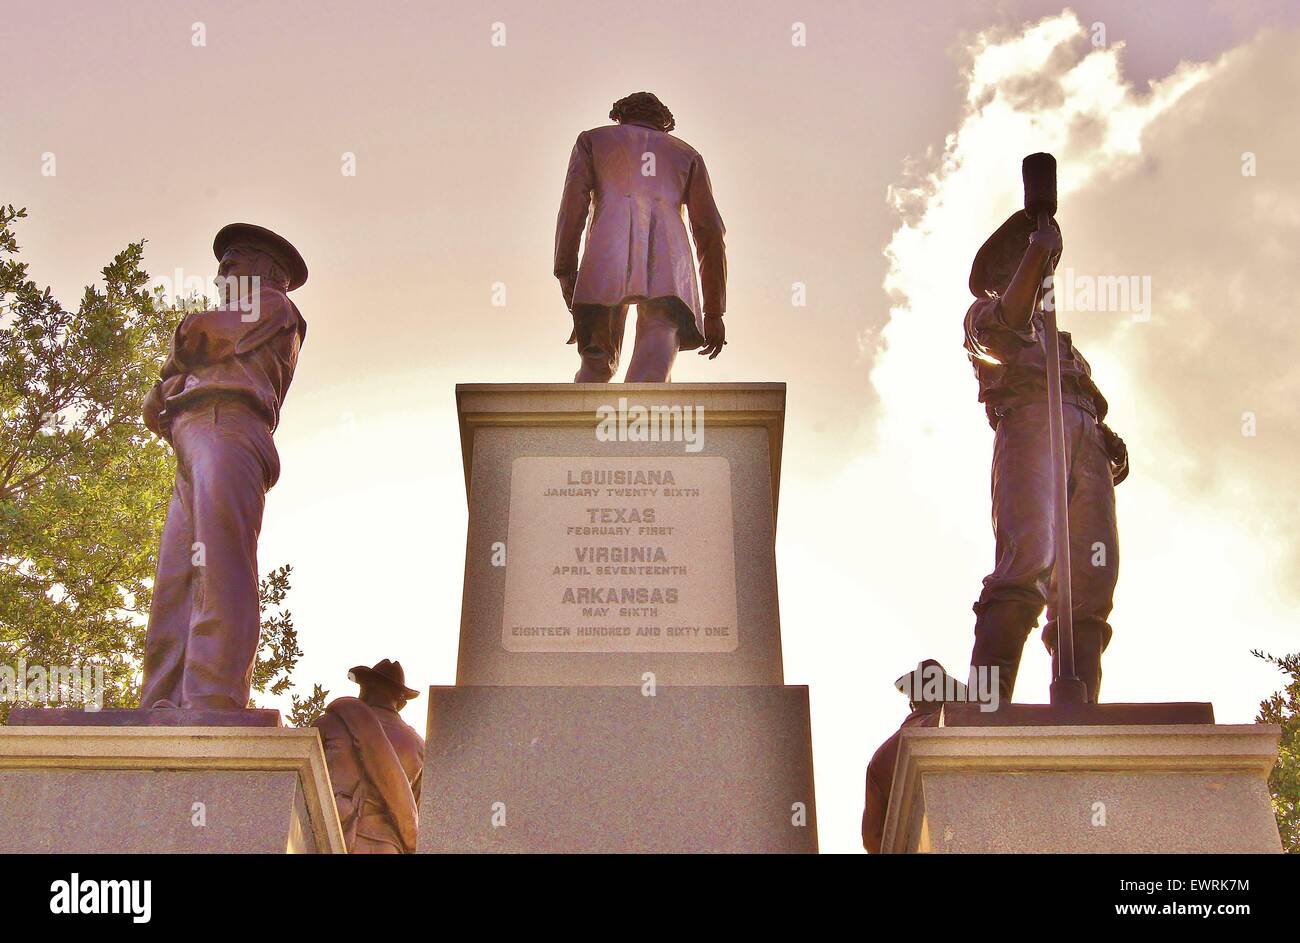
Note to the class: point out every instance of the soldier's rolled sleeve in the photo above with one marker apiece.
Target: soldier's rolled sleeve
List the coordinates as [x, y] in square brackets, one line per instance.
[989, 337]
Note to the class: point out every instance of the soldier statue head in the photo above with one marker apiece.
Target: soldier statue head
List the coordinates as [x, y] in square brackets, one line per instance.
[244, 250]
[384, 685]
[928, 686]
[376, 761]
[643, 108]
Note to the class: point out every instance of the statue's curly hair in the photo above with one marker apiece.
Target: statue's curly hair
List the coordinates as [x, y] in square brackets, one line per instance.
[643, 106]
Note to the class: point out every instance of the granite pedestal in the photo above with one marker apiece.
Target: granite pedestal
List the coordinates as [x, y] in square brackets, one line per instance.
[619, 684]
[1167, 788]
[608, 769]
[124, 789]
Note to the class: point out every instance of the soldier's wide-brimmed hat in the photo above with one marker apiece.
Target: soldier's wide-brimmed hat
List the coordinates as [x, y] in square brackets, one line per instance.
[1001, 253]
[930, 683]
[262, 238]
[385, 670]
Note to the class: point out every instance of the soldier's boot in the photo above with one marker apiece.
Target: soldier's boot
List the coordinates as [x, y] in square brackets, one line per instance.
[1001, 628]
[1090, 639]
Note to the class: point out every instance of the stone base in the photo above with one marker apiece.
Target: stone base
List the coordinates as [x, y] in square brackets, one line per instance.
[1010, 714]
[606, 769]
[122, 789]
[1196, 788]
[141, 717]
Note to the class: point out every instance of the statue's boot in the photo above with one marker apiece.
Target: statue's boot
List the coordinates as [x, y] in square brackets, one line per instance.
[1090, 639]
[1001, 628]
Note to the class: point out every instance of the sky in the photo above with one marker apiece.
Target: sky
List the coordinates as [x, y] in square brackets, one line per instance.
[867, 164]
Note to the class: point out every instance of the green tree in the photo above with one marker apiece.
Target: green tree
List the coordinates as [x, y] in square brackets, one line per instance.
[84, 486]
[305, 710]
[1283, 708]
[279, 652]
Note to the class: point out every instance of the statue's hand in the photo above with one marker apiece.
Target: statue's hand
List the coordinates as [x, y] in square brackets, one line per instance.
[566, 288]
[1117, 451]
[1048, 241]
[715, 336]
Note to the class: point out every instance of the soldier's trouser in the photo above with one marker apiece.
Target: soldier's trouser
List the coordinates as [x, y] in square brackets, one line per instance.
[204, 622]
[1023, 579]
[600, 341]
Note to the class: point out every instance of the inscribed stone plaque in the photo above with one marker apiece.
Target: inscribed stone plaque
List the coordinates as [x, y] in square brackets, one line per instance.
[620, 555]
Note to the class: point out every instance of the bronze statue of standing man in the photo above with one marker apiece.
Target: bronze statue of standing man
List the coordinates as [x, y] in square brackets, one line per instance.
[218, 403]
[1005, 341]
[375, 760]
[634, 179]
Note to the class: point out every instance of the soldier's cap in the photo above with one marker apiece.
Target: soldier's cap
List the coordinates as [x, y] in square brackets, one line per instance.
[919, 684]
[259, 237]
[1001, 252]
[386, 671]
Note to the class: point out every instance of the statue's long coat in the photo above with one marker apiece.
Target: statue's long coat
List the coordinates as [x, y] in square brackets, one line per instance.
[635, 182]
[375, 761]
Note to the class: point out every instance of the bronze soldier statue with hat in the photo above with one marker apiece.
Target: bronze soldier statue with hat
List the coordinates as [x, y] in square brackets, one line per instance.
[218, 402]
[375, 761]
[1052, 450]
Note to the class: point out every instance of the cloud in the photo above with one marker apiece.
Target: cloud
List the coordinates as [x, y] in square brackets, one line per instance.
[1151, 185]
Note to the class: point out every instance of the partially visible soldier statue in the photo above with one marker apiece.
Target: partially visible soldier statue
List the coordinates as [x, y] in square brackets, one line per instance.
[218, 403]
[927, 687]
[639, 178]
[1005, 343]
[375, 760]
